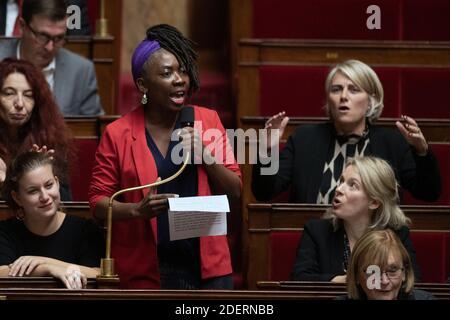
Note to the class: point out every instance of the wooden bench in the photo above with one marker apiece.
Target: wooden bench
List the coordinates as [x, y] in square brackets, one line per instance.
[329, 290]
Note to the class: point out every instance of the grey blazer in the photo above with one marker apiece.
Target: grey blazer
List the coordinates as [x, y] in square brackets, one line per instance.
[75, 85]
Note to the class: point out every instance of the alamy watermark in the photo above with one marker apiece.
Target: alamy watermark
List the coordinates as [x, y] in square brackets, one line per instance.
[222, 149]
[73, 17]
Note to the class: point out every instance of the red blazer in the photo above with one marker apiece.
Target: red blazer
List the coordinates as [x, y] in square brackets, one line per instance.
[124, 160]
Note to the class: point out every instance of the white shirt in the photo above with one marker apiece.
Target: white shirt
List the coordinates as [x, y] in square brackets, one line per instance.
[12, 11]
[48, 71]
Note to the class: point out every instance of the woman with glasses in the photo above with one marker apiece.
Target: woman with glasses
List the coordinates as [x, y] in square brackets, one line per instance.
[366, 198]
[380, 269]
[29, 118]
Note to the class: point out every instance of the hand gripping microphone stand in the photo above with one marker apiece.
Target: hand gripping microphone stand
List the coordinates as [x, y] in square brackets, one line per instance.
[107, 263]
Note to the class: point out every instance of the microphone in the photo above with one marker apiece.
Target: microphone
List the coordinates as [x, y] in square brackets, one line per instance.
[187, 117]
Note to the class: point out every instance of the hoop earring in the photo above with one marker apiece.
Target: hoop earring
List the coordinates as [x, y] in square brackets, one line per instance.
[144, 99]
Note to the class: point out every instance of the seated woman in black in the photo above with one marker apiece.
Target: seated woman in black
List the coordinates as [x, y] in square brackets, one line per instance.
[43, 240]
[366, 198]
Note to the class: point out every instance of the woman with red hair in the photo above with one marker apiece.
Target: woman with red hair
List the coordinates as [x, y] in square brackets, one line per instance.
[30, 118]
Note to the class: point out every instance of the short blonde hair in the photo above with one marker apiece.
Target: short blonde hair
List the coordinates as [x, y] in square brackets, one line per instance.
[379, 183]
[365, 78]
[374, 248]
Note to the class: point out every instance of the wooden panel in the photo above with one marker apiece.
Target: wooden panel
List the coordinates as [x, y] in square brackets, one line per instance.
[265, 218]
[329, 289]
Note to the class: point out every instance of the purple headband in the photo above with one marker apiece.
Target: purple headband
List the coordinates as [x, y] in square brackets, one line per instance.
[140, 56]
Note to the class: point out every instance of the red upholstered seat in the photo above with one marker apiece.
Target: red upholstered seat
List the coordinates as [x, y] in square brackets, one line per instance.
[442, 152]
[426, 20]
[425, 92]
[432, 250]
[81, 169]
[324, 19]
[283, 250]
[432, 255]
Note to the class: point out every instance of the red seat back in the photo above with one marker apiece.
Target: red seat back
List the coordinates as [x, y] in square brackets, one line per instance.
[81, 169]
[283, 251]
[324, 19]
[442, 152]
[432, 254]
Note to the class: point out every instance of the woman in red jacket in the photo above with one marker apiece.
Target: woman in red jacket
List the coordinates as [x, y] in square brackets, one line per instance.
[137, 149]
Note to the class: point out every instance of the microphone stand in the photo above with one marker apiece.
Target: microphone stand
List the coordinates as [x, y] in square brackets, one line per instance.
[107, 263]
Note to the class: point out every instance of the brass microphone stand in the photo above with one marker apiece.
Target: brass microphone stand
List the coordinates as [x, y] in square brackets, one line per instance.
[107, 263]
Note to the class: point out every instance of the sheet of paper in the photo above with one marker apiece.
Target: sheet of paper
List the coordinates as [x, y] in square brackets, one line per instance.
[192, 217]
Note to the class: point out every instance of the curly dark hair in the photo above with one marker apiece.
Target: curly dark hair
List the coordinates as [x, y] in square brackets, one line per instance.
[171, 39]
[46, 125]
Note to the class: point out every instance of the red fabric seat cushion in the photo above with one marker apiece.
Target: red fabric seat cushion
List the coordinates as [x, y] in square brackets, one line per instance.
[425, 92]
[442, 153]
[431, 252]
[81, 169]
[324, 19]
[426, 20]
[283, 251]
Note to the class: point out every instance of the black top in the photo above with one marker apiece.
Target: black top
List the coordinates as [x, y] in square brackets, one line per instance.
[181, 252]
[302, 161]
[320, 255]
[77, 241]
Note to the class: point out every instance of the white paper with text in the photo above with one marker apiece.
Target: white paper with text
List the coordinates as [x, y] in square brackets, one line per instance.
[191, 217]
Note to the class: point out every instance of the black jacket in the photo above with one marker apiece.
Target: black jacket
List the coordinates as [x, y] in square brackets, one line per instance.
[303, 159]
[320, 254]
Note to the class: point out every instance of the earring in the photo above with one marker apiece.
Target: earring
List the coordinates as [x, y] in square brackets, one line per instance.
[144, 99]
[20, 214]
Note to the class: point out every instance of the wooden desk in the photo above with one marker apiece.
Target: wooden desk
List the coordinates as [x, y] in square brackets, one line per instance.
[266, 218]
[329, 290]
[110, 294]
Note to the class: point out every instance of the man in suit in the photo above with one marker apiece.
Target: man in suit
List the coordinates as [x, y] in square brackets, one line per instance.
[71, 77]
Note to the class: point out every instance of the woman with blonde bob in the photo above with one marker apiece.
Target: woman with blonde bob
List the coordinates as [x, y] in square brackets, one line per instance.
[366, 199]
[314, 156]
[380, 269]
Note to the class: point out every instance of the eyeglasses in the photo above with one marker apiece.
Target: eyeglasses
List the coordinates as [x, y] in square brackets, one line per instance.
[43, 38]
[392, 273]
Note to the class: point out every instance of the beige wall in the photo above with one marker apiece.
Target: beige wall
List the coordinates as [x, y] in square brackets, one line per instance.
[138, 15]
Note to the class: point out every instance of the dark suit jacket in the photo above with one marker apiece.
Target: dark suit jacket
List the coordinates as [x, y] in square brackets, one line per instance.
[320, 255]
[2, 17]
[303, 159]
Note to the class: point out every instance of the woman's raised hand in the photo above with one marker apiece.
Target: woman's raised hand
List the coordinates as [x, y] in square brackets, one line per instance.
[412, 133]
[276, 122]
